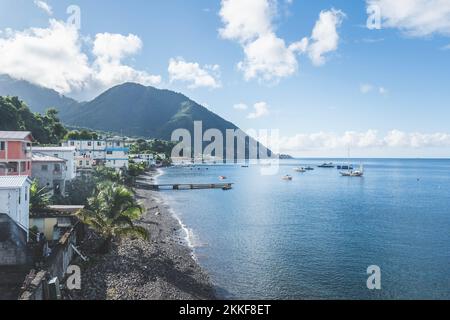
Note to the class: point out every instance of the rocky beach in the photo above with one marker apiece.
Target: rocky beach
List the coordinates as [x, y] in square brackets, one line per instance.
[161, 268]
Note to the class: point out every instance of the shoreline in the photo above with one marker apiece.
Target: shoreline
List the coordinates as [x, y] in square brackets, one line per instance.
[162, 268]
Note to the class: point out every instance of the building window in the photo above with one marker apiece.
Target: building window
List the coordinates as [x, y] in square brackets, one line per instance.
[57, 168]
[109, 152]
[89, 143]
[2, 145]
[99, 143]
[26, 193]
[81, 162]
[72, 143]
[118, 144]
[56, 155]
[28, 165]
[23, 167]
[87, 163]
[44, 167]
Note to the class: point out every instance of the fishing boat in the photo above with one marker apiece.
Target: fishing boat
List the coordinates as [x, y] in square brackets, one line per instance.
[327, 165]
[300, 169]
[287, 178]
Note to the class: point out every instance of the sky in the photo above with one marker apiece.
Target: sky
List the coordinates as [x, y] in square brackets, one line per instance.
[372, 76]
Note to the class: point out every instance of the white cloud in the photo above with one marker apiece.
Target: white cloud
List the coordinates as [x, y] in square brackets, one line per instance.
[415, 17]
[267, 56]
[54, 58]
[240, 106]
[44, 6]
[261, 109]
[323, 141]
[109, 50]
[50, 57]
[325, 37]
[366, 88]
[193, 74]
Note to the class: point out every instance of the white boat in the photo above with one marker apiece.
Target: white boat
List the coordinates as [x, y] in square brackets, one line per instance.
[353, 173]
[300, 169]
[287, 178]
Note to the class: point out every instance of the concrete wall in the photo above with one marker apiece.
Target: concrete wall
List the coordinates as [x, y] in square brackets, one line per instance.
[49, 178]
[13, 243]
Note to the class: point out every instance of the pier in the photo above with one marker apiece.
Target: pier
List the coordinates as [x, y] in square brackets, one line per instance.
[183, 186]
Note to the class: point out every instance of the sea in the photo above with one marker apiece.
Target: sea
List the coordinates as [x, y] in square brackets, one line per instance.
[320, 235]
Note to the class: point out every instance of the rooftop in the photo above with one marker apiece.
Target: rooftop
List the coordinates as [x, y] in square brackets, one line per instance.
[15, 135]
[53, 149]
[39, 157]
[13, 182]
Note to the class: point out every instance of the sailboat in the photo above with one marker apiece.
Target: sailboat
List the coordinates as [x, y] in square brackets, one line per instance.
[350, 172]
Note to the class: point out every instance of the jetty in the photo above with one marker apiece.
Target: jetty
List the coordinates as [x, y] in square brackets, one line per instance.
[183, 186]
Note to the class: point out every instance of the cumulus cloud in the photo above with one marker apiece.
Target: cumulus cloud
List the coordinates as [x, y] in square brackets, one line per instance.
[55, 57]
[325, 37]
[267, 56]
[109, 50]
[44, 6]
[50, 57]
[362, 140]
[415, 17]
[193, 74]
[261, 109]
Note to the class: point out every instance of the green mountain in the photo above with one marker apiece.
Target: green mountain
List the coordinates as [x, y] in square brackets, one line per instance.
[129, 109]
[38, 98]
[135, 110]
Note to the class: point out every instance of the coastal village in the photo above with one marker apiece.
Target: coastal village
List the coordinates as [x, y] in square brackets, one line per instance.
[39, 240]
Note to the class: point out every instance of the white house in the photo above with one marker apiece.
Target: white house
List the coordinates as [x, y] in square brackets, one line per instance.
[148, 159]
[66, 153]
[111, 152]
[15, 199]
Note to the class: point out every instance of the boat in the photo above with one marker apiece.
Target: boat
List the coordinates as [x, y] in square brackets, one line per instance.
[309, 168]
[244, 166]
[353, 173]
[300, 169]
[222, 178]
[327, 165]
[226, 188]
[350, 172]
[345, 167]
[287, 178]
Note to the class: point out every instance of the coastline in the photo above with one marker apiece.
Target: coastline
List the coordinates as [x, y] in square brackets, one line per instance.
[162, 268]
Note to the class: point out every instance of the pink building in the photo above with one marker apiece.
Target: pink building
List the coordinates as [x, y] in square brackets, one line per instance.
[15, 153]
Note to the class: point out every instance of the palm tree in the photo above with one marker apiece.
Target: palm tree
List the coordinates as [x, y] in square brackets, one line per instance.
[39, 197]
[112, 212]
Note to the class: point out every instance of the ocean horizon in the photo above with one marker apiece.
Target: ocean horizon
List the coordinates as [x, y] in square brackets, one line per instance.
[315, 236]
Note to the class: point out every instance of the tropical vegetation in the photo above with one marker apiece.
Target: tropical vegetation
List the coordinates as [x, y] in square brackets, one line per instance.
[112, 212]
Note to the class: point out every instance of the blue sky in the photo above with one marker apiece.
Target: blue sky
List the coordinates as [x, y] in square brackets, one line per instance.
[382, 92]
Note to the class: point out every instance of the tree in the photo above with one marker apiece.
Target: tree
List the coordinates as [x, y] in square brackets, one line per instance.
[39, 197]
[16, 116]
[112, 212]
[81, 135]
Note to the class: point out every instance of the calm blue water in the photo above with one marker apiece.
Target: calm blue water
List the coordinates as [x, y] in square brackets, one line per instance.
[314, 237]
